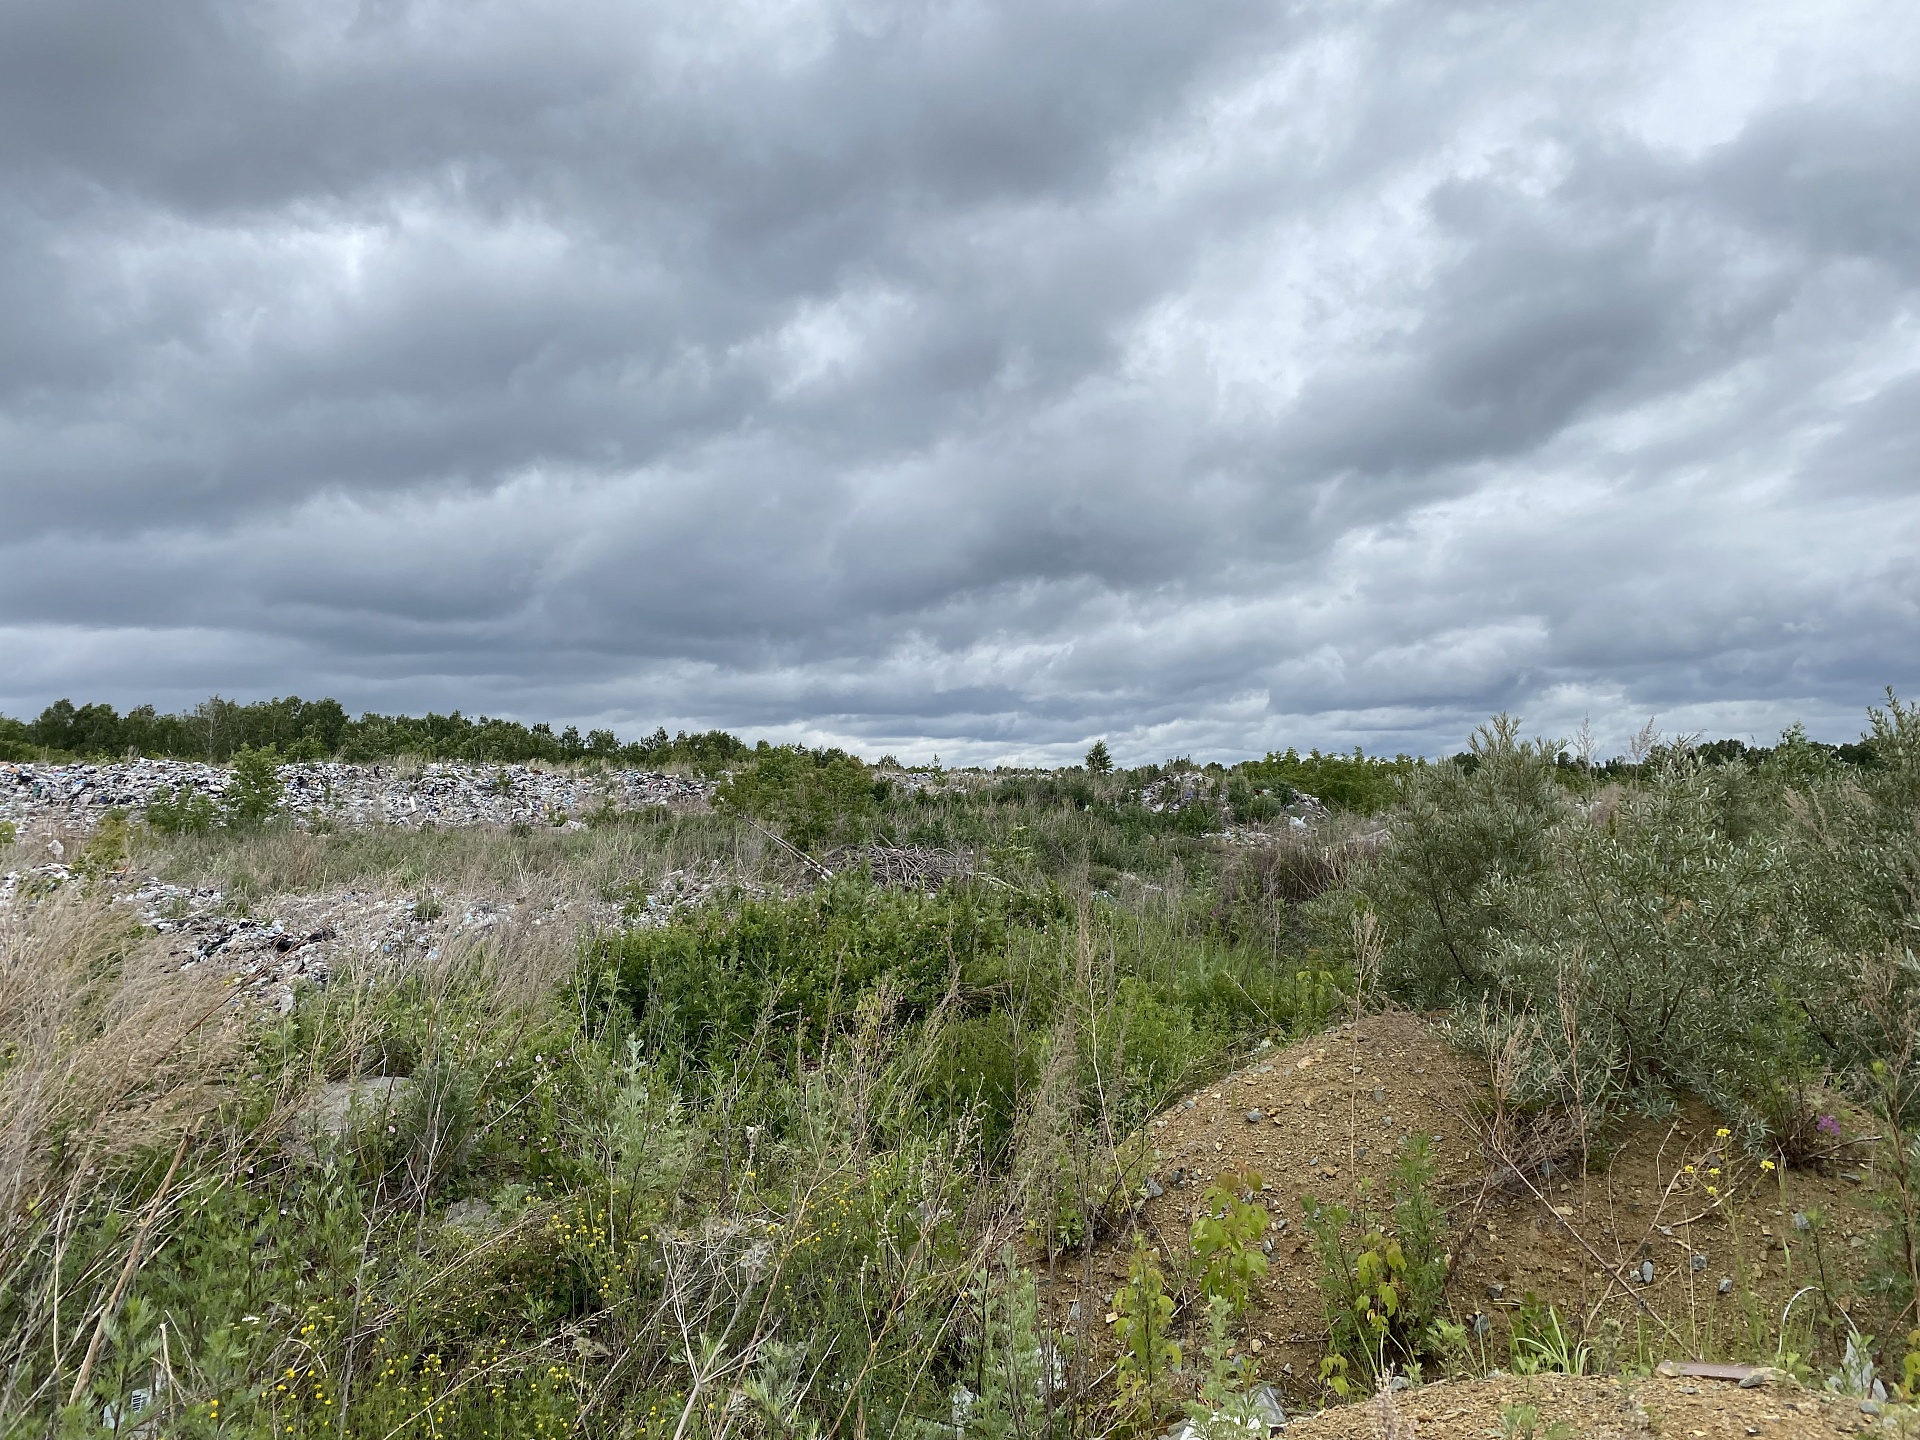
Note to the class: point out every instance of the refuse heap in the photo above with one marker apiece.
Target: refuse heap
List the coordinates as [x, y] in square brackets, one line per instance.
[343, 793]
[280, 946]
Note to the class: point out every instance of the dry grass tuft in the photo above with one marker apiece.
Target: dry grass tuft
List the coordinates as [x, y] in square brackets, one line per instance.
[106, 1051]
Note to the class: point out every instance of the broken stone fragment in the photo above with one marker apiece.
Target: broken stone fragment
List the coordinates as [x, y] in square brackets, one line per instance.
[347, 1107]
[472, 1214]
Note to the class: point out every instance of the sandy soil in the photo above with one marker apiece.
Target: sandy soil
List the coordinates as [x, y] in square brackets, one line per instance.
[1585, 1406]
[1325, 1116]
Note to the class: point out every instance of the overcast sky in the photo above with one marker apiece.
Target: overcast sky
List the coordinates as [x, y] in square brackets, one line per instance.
[977, 378]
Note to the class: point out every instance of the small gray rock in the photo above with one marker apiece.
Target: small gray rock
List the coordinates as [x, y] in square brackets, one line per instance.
[1699, 1263]
[1646, 1272]
[1154, 1188]
[1496, 1292]
[347, 1106]
[1726, 1284]
[473, 1214]
[1800, 1221]
[1254, 1117]
[1482, 1324]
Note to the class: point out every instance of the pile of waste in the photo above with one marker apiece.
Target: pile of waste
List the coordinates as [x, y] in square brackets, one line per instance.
[76, 796]
[278, 946]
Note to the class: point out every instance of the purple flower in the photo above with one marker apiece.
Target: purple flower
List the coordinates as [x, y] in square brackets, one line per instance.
[1827, 1125]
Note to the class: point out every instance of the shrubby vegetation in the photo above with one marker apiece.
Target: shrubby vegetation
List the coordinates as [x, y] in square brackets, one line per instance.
[784, 1164]
[1738, 927]
[1699, 931]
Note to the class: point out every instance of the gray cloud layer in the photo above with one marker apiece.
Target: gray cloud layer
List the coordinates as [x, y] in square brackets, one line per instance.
[973, 377]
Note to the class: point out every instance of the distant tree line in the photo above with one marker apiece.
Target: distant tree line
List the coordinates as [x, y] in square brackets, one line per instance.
[217, 729]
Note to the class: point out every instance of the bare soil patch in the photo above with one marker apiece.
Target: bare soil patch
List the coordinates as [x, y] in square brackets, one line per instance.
[1324, 1117]
[1593, 1408]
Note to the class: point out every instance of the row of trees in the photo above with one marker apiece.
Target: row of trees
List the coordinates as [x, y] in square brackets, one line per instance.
[217, 729]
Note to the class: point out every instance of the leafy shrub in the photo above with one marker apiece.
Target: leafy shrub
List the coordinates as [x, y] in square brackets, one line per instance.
[1665, 936]
[1152, 1046]
[1012, 1362]
[1465, 842]
[105, 852]
[1084, 1190]
[983, 1065]
[1668, 941]
[16, 743]
[253, 786]
[706, 981]
[1226, 1236]
[1357, 782]
[1143, 1321]
[815, 798]
[180, 811]
[1381, 1288]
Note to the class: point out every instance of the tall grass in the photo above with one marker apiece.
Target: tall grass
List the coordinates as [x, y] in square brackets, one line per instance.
[733, 1176]
[607, 860]
[108, 1058]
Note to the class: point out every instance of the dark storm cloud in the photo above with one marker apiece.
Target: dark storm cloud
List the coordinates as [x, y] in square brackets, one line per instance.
[979, 377]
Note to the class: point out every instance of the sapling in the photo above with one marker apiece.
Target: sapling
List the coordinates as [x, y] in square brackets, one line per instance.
[1143, 1316]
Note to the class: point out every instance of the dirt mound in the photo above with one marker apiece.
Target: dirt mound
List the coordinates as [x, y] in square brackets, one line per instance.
[1668, 1245]
[1590, 1407]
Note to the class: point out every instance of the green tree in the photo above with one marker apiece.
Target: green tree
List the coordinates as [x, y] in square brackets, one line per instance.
[1099, 762]
[253, 786]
